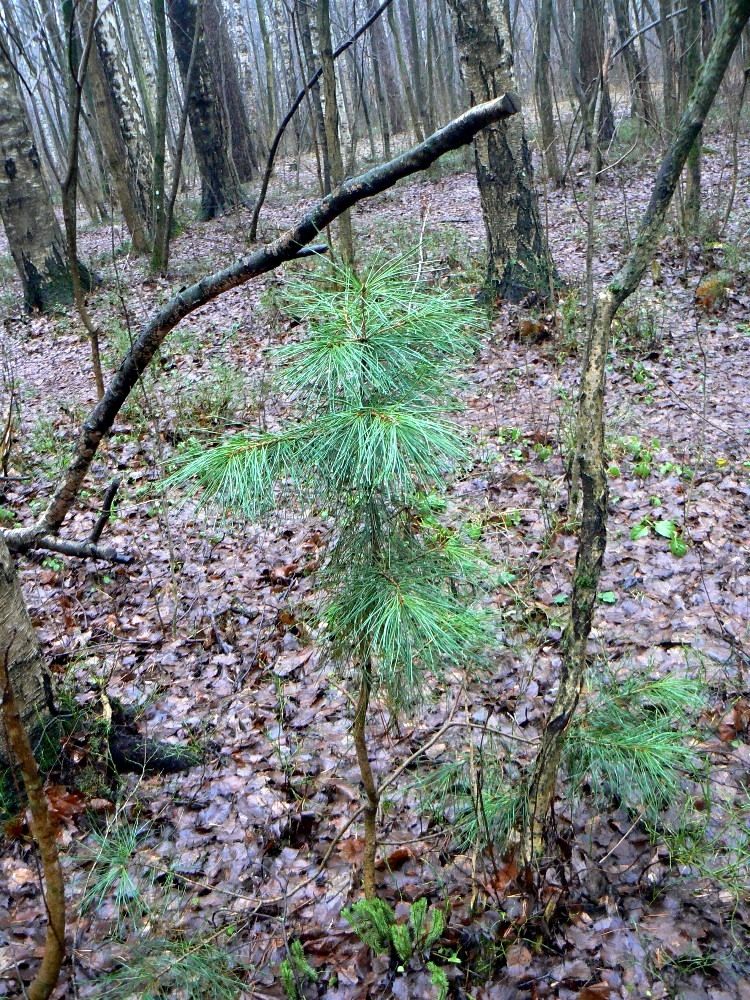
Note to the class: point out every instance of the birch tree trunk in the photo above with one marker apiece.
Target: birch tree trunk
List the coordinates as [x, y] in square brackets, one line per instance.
[18, 642]
[34, 234]
[121, 127]
[518, 260]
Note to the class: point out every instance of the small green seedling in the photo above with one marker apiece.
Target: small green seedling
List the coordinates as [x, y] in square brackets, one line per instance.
[664, 529]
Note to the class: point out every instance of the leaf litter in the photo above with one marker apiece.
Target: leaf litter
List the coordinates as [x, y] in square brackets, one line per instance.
[207, 634]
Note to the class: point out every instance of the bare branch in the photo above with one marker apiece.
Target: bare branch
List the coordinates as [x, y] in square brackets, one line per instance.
[291, 245]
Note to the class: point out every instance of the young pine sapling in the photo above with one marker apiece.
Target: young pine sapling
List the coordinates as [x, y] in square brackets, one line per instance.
[374, 380]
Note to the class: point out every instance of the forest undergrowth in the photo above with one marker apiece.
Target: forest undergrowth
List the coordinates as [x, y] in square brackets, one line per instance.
[243, 872]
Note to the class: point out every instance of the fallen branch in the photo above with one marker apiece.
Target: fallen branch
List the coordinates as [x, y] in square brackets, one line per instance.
[290, 245]
[85, 549]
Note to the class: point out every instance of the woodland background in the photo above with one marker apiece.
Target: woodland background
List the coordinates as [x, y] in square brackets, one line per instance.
[184, 774]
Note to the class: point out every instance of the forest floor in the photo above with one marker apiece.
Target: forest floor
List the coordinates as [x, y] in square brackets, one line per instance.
[205, 632]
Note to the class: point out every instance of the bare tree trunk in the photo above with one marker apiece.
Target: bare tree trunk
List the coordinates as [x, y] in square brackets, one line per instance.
[668, 63]
[641, 98]
[405, 77]
[319, 123]
[221, 47]
[543, 90]
[220, 185]
[589, 471]
[692, 57]
[268, 56]
[43, 831]
[588, 59]
[121, 127]
[34, 235]
[160, 243]
[19, 644]
[518, 258]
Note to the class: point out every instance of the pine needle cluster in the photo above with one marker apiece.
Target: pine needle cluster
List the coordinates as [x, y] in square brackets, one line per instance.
[373, 381]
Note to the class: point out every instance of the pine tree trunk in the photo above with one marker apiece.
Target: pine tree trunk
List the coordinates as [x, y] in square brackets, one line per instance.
[18, 641]
[518, 259]
[220, 185]
[34, 235]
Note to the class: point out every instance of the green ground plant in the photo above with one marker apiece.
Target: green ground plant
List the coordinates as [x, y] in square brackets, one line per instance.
[374, 922]
[633, 742]
[296, 972]
[374, 385]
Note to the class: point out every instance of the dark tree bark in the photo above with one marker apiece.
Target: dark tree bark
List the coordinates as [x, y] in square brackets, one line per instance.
[220, 45]
[220, 185]
[641, 99]
[331, 115]
[19, 648]
[517, 255]
[692, 57]
[34, 235]
[588, 60]
[543, 90]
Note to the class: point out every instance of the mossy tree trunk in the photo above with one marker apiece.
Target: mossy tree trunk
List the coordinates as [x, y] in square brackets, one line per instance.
[588, 474]
[518, 257]
[20, 649]
[220, 185]
[34, 234]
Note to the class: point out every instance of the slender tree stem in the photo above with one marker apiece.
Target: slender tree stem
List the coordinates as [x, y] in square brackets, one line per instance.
[43, 831]
[368, 781]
